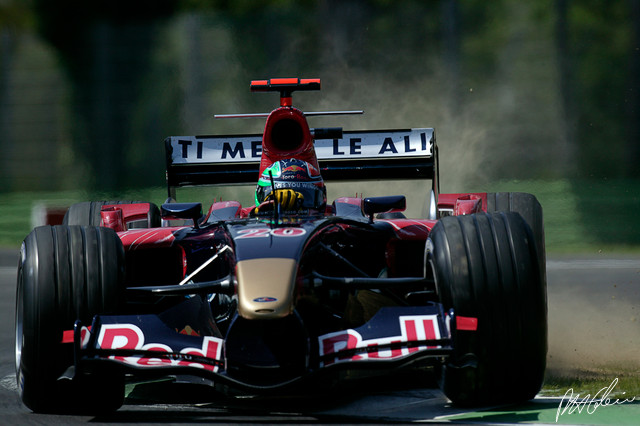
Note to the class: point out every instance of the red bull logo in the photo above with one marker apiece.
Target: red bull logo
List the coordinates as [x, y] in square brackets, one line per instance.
[293, 168]
[130, 336]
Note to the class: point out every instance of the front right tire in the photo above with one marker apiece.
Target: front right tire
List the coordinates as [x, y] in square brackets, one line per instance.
[65, 273]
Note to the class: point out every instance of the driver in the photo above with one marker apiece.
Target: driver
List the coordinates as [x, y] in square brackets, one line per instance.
[298, 186]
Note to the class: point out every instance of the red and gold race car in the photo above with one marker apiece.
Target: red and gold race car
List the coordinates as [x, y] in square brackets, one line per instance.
[293, 289]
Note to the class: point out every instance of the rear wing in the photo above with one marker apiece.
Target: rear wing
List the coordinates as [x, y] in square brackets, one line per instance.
[358, 155]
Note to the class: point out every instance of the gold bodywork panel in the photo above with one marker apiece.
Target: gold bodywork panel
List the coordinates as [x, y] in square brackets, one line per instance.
[265, 287]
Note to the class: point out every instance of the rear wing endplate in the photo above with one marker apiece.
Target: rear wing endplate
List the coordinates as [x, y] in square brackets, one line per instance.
[358, 155]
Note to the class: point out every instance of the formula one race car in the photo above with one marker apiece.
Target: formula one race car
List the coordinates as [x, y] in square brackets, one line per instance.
[282, 294]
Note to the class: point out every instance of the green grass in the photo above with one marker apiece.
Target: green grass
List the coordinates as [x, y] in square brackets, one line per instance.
[581, 216]
[16, 209]
[584, 216]
[624, 383]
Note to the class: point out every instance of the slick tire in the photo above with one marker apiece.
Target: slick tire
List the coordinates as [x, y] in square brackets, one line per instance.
[486, 266]
[65, 273]
[88, 214]
[528, 207]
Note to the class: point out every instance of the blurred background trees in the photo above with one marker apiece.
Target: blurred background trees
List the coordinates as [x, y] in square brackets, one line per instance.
[516, 90]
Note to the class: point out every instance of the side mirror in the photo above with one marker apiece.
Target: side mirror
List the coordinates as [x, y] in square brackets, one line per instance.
[391, 203]
[178, 211]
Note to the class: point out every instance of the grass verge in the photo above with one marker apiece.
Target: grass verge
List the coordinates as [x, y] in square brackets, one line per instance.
[593, 383]
[581, 216]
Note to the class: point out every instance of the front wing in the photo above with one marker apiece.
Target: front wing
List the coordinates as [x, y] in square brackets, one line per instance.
[144, 346]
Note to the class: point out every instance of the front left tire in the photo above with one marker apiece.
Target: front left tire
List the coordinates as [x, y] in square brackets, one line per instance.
[487, 267]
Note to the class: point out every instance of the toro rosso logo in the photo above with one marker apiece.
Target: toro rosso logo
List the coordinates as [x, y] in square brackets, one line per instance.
[131, 337]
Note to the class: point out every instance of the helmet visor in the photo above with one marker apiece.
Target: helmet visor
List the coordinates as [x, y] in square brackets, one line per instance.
[314, 195]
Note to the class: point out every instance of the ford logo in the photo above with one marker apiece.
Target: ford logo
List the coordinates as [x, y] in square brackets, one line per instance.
[265, 299]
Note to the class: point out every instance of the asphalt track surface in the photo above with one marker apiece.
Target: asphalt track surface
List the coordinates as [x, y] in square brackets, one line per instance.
[594, 325]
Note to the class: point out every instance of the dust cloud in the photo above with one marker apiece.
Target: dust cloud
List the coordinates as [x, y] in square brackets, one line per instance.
[594, 320]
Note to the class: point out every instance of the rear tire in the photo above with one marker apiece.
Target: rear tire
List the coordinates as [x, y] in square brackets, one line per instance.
[486, 266]
[65, 273]
[87, 213]
[530, 210]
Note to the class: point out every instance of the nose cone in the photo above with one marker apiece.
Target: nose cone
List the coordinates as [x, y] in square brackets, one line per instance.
[265, 287]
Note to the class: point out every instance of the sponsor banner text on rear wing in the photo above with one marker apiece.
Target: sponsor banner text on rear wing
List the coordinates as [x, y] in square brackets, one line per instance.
[358, 155]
